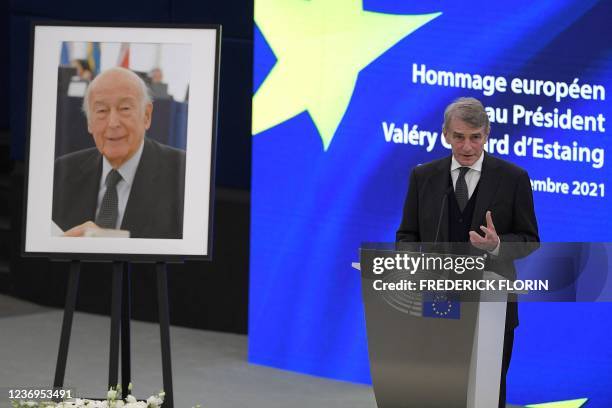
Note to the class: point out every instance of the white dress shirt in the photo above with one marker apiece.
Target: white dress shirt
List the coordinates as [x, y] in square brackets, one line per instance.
[471, 177]
[127, 171]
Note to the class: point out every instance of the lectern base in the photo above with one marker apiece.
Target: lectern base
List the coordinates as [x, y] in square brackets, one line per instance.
[429, 351]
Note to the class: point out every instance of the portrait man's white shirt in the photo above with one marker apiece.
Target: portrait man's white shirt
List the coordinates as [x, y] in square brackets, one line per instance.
[127, 172]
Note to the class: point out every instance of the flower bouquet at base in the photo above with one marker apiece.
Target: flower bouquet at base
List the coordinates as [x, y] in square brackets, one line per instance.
[112, 401]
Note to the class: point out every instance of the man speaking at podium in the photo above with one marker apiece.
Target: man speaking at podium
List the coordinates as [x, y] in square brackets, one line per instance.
[474, 197]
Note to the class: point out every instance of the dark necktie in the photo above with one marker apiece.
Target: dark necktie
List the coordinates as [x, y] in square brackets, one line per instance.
[461, 190]
[107, 216]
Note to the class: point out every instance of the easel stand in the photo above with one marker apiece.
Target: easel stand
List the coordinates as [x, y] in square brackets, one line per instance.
[120, 327]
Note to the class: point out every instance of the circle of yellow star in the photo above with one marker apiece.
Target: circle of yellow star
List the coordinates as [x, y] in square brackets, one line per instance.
[320, 46]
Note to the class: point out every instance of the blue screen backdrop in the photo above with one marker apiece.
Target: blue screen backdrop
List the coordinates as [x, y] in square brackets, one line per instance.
[329, 83]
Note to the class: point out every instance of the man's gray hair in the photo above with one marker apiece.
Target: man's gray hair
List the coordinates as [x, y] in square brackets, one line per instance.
[144, 89]
[469, 110]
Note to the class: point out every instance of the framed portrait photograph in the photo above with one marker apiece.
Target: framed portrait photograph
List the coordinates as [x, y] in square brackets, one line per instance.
[121, 143]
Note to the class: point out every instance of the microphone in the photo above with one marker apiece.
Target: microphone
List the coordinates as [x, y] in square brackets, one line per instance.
[444, 199]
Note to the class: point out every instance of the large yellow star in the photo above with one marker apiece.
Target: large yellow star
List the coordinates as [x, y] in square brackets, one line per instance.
[320, 46]
[561, 404]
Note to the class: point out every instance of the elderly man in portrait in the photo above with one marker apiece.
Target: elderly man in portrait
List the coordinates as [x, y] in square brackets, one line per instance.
[471, 196]
[127, 181]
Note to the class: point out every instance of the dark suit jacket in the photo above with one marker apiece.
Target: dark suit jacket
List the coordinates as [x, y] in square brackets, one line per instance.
[155, 206]
[504, 189]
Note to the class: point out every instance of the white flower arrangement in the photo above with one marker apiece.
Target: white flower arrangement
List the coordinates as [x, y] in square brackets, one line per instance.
[112, 401]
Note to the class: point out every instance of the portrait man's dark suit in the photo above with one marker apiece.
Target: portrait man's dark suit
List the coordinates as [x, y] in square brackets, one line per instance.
[504, 189]
[155, 205]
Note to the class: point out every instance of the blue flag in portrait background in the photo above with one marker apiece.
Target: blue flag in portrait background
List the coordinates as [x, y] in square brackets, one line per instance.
[93, 57]
[65, 54]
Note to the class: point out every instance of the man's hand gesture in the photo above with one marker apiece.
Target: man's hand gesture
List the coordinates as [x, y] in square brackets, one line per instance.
[490, 241]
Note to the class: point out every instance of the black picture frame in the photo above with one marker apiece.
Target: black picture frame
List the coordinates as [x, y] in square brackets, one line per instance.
[192, 247]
